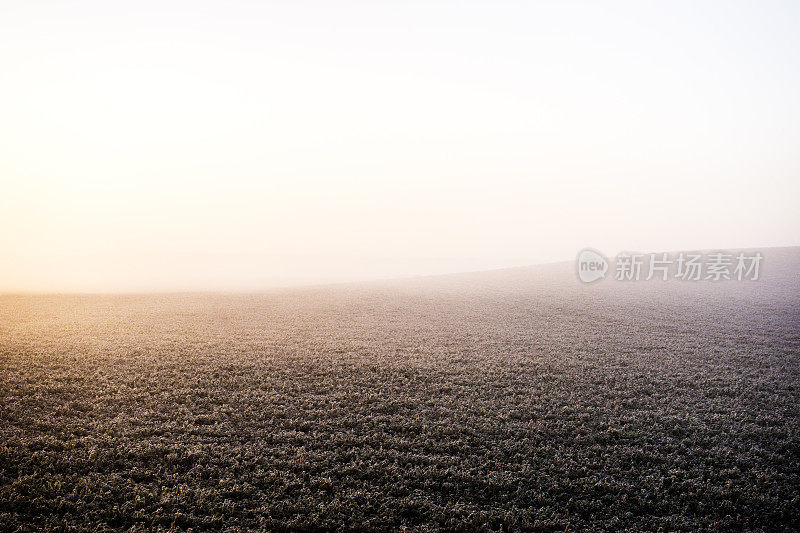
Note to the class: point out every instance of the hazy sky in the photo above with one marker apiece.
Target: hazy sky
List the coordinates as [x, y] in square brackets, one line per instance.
[236, 145]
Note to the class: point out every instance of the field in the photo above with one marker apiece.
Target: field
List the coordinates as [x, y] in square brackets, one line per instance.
[507, 400]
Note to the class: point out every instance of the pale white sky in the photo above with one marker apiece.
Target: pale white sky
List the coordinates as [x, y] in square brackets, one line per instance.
[243, 145]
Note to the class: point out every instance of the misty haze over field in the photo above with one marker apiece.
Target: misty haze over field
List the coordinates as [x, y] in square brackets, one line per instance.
[351, 265]
[170, 145]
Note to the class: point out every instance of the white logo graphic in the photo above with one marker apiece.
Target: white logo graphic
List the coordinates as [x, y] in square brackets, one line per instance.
[684, 266]
[591, 265]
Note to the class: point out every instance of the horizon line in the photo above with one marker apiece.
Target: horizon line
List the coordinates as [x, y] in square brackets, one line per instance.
[300, 286]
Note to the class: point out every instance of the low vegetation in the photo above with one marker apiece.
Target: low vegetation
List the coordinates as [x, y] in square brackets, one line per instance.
[501, 401]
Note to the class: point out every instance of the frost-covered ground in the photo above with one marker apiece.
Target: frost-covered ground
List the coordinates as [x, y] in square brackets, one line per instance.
[514, 399]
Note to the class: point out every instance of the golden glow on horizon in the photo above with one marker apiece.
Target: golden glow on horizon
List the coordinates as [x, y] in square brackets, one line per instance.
[184, 145]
